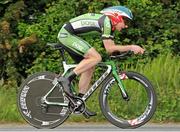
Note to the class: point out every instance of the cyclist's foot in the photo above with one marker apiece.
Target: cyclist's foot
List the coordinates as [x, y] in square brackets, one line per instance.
[66, 85]
[87, 113]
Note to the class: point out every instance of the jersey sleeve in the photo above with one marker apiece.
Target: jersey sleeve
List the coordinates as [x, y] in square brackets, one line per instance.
[107, 29]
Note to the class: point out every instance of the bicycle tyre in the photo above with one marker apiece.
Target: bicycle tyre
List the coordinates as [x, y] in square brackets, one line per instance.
[29, 101]
[123, 121]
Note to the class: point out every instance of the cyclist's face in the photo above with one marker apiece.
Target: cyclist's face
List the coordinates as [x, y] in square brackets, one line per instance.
[121, 25]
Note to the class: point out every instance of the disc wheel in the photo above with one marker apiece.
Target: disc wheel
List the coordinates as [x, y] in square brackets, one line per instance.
[33, 109]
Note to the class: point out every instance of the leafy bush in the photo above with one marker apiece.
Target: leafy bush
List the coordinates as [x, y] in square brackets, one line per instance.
[155, 27]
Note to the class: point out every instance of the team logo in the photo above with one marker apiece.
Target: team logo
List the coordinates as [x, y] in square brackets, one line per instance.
[77, 46]
[88, 23]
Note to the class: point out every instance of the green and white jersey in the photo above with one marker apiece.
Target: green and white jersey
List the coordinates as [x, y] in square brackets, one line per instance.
[90, 22]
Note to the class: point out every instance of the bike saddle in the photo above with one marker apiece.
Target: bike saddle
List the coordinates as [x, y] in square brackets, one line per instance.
[55, 45]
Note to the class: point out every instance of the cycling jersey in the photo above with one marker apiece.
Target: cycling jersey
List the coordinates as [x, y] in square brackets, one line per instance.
[84, 24]
[91, 22]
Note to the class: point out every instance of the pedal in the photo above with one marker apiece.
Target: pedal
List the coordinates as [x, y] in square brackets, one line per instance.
[86, 115]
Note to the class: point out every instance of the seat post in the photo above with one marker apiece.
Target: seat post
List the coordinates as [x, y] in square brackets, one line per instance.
[62, 54]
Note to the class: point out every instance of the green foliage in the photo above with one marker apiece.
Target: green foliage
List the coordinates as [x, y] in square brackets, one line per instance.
[15, 11]
[47, 62]
[155, 27]
[5, 1]
[164, 73]
[8, 111]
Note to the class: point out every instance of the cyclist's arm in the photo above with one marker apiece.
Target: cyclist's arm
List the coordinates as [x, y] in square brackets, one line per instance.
[111, 47]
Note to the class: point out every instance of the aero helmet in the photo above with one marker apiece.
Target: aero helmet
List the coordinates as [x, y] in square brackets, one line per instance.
[115, 13]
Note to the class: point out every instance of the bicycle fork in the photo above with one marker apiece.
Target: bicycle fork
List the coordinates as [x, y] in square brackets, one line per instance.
[119, 81]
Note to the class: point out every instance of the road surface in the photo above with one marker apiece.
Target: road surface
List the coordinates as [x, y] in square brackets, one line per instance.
[92, 127]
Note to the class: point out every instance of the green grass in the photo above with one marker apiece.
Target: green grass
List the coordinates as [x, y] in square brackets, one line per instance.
[163, 72]
[8, 107]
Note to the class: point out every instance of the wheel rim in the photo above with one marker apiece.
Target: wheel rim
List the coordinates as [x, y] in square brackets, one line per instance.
[132, 112]
[31, 105]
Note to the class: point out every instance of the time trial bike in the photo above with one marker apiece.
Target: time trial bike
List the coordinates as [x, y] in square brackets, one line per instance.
[127, 99]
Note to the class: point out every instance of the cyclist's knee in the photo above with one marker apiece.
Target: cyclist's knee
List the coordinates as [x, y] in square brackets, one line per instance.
[91, 70]
[92, 53]
[99, 58]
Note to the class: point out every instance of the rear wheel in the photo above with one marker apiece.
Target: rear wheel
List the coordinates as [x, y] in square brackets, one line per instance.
[31, 107]
[133, 113]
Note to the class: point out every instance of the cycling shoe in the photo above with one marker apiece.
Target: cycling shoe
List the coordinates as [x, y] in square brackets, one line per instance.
[66, 85]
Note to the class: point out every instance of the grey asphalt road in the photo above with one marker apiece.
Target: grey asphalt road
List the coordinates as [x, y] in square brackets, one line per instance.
[92, 127]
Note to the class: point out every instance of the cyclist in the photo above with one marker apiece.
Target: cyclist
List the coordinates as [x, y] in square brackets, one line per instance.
[106, 23]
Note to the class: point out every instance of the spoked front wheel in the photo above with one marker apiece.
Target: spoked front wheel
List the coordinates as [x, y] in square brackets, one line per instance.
[32, 107]
[133, 113]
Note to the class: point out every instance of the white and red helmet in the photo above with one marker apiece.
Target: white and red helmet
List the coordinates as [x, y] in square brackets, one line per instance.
[115, 13]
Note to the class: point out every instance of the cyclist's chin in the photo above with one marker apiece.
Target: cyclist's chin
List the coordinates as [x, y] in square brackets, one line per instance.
[119, 29]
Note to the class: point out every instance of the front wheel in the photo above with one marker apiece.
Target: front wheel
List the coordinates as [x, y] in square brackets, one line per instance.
[128, 114]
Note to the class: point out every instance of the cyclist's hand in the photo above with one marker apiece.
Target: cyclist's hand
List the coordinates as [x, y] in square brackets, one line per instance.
[137, 49]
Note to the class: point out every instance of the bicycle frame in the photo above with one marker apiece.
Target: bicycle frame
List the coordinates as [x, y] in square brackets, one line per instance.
[111, 68]
[44, 103]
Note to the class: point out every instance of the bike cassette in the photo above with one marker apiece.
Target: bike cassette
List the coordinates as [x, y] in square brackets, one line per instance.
[44, 108]
[77, 105]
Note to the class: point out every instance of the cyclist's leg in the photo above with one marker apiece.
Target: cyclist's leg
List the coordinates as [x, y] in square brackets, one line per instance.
[75, 44]
[90, 57]
[85, 80]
